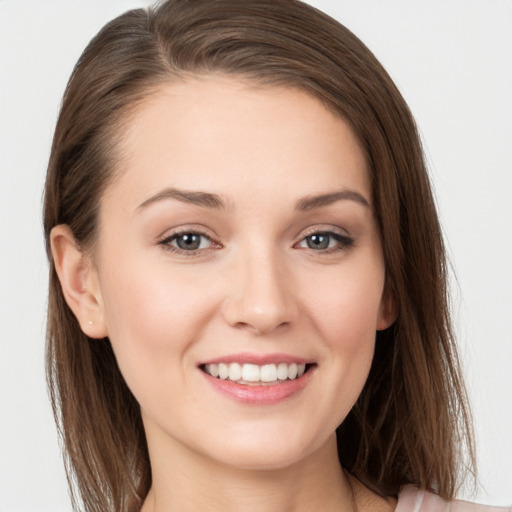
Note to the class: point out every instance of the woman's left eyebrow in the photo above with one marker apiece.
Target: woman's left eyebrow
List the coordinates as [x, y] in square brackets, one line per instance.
[311, 202]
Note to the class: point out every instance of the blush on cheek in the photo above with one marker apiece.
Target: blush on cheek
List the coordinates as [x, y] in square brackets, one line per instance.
[153, 322]
[350, 323]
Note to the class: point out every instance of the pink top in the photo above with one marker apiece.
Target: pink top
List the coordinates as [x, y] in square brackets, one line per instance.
[411, 499]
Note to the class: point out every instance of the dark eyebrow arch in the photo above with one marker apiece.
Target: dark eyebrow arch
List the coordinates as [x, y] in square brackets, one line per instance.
[204, 199]
[311, 202]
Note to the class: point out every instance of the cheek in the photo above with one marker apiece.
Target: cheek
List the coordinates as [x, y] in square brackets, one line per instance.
[347, 315]
[347, 308]
[153, 316]
[150, 303]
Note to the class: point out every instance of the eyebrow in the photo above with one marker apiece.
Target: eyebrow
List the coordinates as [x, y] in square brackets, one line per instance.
[204, 199]
[209, 200]
[311, 202]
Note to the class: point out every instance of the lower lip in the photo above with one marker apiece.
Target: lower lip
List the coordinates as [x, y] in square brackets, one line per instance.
[259, 395]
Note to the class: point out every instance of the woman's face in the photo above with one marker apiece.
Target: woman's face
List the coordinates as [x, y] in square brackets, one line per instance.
[239, 239]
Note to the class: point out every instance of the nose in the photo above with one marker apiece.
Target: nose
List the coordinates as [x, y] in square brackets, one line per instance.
[261, 297]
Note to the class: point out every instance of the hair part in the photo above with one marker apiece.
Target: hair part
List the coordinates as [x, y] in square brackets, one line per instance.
[412, 421]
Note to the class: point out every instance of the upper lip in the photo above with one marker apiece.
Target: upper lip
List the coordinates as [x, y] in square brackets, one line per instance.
[258, 359]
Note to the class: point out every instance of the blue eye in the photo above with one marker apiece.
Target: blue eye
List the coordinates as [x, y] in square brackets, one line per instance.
[326, 241]
[188, 241]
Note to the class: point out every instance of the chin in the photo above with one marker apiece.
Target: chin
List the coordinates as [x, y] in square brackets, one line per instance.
[262, 460]
[265, 453]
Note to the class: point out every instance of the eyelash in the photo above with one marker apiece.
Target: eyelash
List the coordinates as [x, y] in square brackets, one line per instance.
[168, 240]
[343, 242]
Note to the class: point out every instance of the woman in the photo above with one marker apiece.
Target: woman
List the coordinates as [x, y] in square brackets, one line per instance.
[247, 293]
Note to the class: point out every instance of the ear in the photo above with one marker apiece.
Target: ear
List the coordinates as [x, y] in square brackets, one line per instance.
[388, 311]
[79, 282]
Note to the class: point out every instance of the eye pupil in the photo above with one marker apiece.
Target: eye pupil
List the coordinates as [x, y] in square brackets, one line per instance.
[188, 241]
[318, 241]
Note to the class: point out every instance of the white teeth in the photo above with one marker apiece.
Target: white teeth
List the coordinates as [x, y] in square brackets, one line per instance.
[282, 371]
[268, 373]
[223, 371]
[213, 370]
[235, 371]
[250, 372]
[254, 373]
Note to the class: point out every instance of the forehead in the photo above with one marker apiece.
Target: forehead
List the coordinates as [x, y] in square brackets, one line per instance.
[223, 135]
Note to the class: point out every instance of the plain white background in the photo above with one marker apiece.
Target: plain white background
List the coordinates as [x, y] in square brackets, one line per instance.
[452, 60]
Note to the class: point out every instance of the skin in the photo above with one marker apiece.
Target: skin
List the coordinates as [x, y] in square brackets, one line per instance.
[254, 285]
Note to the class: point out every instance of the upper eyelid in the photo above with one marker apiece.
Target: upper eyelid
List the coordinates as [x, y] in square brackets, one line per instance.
[183, 230]
[311, 230]
[330, 230]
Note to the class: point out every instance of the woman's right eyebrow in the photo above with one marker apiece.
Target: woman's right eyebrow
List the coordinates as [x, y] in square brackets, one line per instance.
[198, 198]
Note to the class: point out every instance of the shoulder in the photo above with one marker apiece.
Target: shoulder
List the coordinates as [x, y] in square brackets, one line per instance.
[412, 499]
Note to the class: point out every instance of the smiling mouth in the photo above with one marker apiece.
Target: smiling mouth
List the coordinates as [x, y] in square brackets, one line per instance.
[256, 375]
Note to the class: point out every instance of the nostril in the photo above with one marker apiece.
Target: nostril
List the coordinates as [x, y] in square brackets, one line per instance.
[260, 303]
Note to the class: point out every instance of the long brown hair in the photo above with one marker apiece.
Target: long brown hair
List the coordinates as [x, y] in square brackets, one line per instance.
[411, 423]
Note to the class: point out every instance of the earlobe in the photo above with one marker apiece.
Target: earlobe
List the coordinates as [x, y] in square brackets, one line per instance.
[388, 310]
[79, 282]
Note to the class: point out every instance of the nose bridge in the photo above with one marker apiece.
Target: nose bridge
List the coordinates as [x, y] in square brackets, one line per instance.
[260, 299]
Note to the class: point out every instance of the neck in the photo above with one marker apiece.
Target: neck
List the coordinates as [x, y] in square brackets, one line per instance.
[186, 481]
